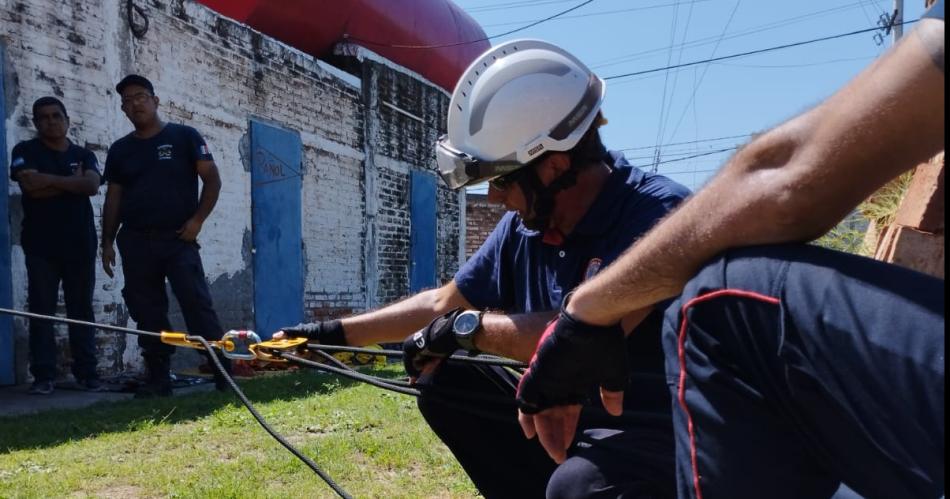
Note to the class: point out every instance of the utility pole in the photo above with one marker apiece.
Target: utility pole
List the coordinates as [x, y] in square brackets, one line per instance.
[897, 22]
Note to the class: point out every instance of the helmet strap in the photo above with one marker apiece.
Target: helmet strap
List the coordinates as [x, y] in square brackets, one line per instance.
[540, 198]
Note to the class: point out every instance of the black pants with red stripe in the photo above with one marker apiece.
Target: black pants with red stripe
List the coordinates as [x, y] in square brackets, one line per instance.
[801, 371]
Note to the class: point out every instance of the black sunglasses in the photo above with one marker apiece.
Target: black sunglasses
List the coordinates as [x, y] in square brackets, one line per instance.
[503, 182]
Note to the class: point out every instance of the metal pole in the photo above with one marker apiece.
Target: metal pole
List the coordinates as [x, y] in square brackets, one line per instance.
[898, 22]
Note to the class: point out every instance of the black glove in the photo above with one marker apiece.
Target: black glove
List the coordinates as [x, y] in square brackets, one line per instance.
[323, 332]
[435, 341]
[571, 359]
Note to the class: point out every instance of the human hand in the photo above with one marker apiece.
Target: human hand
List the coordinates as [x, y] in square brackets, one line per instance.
[424, 350]
[108, 258]
[571, 358]
[189, 231]
[32, 180]
[323, 332]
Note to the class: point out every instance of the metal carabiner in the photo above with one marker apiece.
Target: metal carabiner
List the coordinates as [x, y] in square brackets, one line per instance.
[237, 344]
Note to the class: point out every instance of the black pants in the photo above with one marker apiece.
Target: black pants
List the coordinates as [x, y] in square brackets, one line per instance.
[148, 259]
[79, 278]
[629, 456]
[800, 369]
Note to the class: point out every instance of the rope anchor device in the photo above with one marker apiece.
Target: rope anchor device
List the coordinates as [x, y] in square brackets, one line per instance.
[237, 345]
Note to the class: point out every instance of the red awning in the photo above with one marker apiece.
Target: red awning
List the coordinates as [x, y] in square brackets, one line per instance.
[386, 27]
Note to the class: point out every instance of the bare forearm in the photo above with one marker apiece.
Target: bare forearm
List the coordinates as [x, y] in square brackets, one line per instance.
[42, 193]
[394, 322]
[791, 184]
[86, 184]
[512, 336]
[110, 214]
[210, 190]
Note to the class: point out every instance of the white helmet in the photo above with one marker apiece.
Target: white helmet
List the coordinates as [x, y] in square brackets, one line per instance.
[515, 102]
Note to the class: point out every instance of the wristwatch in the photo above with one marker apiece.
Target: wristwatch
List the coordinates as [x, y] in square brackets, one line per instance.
[465, 326]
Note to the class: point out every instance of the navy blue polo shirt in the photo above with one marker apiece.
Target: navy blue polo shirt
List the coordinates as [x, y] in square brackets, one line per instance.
[516, 272]
[935, 11]
[60, 226]
[158, 176]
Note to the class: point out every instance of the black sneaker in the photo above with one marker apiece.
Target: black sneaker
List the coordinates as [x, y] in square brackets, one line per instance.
[44, 387]
[91, 385]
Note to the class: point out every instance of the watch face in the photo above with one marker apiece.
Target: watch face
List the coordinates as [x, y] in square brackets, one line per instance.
[466, 323]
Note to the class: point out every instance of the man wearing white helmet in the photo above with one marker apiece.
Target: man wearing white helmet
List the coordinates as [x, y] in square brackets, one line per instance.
[525, 118]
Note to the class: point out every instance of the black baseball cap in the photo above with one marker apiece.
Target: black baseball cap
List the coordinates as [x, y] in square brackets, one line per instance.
[134, 79]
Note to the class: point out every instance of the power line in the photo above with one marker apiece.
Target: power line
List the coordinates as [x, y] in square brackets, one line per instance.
[751, 52]
[456, 44]
[684, 172]
[708, 153]
[712, 39]
[640, 148]
[666, 80]
[692, 97]
[513, 5]
[678, 154]
[762, 66]
[865, 12]
[601, 13]
[804, 65]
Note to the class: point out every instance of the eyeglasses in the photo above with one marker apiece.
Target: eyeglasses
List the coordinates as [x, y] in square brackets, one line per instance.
[504, 182]
[136, 98]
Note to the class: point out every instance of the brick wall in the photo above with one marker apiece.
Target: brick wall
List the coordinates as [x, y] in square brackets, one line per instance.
[480, 218]
[365, 123]
[916, 237]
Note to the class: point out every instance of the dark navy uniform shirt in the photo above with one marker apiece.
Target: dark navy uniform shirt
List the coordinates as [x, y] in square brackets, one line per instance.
[514, 271]
[158, 176]
[935, 11]
[60, 226]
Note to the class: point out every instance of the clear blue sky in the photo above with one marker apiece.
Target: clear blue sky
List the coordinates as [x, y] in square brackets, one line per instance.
[727, 98]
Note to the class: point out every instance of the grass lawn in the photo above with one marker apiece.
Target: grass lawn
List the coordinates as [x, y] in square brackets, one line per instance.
[373, 443]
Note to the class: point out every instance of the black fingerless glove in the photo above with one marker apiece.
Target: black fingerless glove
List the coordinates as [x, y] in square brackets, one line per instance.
[571, 359]
[435, 341]
[323, 332]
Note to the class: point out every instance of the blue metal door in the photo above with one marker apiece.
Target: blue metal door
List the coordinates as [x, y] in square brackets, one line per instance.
[6, 284]
[422, 219]
[275, 222]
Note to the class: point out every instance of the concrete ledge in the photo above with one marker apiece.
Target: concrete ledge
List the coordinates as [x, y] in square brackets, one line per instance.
[17, 401]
